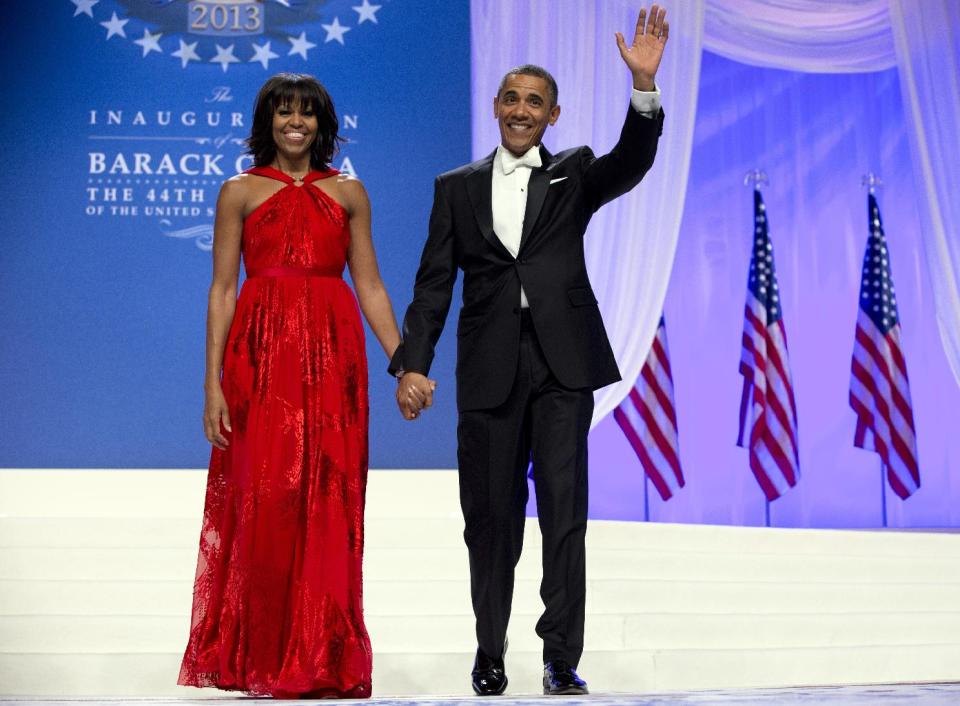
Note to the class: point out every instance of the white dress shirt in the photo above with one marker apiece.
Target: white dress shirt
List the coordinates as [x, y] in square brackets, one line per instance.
[511, 175]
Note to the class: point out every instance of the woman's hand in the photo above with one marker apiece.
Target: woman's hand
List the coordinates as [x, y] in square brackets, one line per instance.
[215, 412]
[414, 394]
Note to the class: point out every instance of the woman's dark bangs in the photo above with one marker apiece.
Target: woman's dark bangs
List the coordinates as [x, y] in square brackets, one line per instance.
[294, 94]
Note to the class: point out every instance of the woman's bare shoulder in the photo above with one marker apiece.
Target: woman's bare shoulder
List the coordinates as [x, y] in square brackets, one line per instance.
[239, 188]
[351, 186]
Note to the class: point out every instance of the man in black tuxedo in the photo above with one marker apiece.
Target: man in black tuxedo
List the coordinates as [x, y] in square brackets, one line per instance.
[531, 346]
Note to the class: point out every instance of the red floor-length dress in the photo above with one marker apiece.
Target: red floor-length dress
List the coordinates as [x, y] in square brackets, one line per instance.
[277, 606]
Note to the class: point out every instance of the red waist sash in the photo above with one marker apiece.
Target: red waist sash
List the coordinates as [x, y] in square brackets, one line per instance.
[292, 271]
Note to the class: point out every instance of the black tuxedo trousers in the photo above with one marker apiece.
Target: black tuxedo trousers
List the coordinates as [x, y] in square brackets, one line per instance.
[544, 421]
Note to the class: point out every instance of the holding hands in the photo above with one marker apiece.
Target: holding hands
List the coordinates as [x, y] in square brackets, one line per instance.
[644, 55]
[414, 394]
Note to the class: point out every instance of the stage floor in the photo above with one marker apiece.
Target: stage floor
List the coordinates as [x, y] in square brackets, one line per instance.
[874, 695]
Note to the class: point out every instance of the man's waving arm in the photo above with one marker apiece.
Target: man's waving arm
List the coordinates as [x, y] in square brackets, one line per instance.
[617, 172]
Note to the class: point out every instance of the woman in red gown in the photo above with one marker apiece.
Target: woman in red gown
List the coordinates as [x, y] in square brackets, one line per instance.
[277, 607]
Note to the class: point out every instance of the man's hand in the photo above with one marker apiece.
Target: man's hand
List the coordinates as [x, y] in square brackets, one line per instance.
[644, 55]
[414, 393]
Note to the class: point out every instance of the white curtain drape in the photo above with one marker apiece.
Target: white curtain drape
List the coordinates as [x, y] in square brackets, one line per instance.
[815, 36]
[927, 38]
[922, 39]
[631, 242]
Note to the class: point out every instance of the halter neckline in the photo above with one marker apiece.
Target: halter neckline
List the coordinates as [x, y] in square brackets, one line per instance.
[274, 173]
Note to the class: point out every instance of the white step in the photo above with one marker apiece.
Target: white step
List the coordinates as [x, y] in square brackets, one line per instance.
[773, 596]
[453, 633]
[171, 532]
[452, 597]
[145, 493]
[173, 598]
[158, 531]
[431, 673]
[433, 563]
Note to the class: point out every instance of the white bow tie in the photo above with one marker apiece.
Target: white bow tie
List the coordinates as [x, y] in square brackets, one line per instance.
[530, 158]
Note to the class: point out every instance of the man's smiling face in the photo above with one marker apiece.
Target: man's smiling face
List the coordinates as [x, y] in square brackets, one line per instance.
[523, 109]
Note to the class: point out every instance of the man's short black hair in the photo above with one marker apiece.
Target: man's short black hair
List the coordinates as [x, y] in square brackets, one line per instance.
[533, 70]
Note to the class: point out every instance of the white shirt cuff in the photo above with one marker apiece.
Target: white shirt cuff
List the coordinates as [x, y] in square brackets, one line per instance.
[647, 103]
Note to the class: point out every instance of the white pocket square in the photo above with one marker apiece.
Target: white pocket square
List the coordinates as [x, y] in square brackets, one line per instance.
[554, 181]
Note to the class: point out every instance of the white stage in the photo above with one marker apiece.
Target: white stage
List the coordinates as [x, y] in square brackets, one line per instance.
[96, 572]
[877, 695]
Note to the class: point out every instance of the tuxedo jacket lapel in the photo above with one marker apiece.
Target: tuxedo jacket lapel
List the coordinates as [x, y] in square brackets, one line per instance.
[536, 193]
[480, 191]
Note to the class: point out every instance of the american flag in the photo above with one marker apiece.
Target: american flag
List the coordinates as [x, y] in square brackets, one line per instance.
[879, 389]
[767, 408]
[649, 420]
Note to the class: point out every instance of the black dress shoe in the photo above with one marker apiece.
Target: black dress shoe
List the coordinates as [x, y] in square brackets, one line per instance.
[559, 679]
[488, 676]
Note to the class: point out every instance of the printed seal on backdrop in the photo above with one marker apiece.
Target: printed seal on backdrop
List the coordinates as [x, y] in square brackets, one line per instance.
[228, 32]
[161, 166]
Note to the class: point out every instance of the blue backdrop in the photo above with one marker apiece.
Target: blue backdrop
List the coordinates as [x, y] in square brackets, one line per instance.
[104, 292]
[121, 121]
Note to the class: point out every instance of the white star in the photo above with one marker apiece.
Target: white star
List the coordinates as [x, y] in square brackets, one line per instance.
[335, 31]
[224, 57]
[85, 7]
[367, 12]
[301, 45]
[115, 26]
[186, 53]
[149, 42]
[263, 54]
